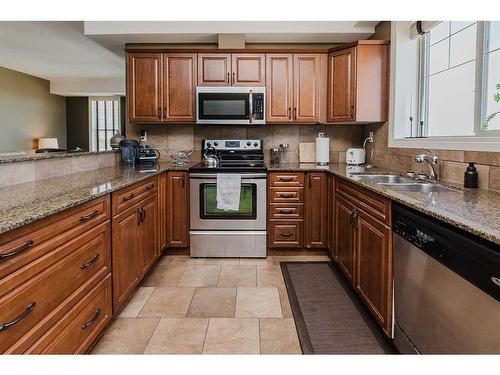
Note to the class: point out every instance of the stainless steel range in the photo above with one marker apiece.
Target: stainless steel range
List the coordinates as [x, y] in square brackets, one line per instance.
[229, 233]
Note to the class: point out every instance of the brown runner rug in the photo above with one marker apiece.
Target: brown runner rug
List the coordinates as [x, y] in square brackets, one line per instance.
[329, 317]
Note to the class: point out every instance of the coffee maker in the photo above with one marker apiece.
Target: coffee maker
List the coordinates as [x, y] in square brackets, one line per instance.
[130, 150]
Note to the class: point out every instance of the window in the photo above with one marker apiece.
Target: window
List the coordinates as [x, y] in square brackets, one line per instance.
[450, 97]
[104, 121]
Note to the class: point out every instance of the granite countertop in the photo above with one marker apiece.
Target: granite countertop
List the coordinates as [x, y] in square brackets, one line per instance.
[476, 211]
[25, 203]
[31, 155]
[473, 210]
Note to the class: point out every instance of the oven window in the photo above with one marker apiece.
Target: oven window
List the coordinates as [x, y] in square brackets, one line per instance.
[223, 106]
[248, 203]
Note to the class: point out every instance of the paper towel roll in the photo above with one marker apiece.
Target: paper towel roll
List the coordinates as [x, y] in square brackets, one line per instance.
[322, 150]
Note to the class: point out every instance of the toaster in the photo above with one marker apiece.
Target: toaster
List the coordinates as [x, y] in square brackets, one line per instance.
[355, 156]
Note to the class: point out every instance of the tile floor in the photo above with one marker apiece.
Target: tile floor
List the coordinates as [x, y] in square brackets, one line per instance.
[208, 306]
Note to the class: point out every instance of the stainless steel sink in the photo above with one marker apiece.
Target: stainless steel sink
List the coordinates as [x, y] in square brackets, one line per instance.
[400, 183]
[419, 188]
[385, 178]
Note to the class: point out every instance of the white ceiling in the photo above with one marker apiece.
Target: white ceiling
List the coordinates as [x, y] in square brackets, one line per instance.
[86, 58]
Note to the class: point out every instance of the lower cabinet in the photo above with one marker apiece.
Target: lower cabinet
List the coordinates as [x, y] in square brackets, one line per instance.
[135, 246]
[177, 202]
[316, 210]
[363, 247]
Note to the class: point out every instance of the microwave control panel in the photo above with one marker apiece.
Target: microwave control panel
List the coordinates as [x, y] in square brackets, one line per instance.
[258, 106]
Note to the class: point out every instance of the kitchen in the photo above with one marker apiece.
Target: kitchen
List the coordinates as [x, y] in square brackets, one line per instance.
[228, 191]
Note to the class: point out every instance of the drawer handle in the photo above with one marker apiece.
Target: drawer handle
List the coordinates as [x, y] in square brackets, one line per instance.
[91, 321]
[150, 186]
[128, 197]
[289, 234]
[89, 216]
[18, 251]
[285, 210]
[495, 280]
[90, 262]
[285, 178]
[28, 311]
[286, 195]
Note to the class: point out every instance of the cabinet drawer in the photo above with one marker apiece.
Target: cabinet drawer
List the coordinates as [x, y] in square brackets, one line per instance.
[37, 295]
[286, 195]
[293, 179]
[286, 210]
[25, 245]
[287, 234]
[78, 329]
[131, 195]
[371, 203]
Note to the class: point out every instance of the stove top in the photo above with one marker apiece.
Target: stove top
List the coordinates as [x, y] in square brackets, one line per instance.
[235, 155]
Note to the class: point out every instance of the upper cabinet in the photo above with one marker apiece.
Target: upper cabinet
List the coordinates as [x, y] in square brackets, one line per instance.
[293, 87]
[144, 87]
[358, 82]
[223, 69]
[179, 86]
[161, 87]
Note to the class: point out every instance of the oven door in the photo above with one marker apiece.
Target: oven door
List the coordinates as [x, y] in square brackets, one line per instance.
[203, 201]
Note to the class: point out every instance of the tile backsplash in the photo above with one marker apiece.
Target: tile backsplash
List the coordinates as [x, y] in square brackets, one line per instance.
[190, 136]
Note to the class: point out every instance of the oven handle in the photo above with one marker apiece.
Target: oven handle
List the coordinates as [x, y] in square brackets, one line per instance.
[244, 176]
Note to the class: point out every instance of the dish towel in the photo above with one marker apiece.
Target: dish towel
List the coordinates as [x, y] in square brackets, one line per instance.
[228, 191]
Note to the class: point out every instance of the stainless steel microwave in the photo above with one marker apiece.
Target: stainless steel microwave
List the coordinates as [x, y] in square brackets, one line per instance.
[230, 105]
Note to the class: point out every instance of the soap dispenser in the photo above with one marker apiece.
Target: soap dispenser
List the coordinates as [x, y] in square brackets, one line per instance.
[471, 177]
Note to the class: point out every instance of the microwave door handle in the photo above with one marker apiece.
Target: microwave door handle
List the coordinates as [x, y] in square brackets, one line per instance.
[250, 105]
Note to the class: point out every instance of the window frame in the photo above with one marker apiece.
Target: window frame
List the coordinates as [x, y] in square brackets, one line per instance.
[483, 140]
[94, 133]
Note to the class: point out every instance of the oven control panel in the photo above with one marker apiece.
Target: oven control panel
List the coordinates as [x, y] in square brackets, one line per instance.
[233, 144]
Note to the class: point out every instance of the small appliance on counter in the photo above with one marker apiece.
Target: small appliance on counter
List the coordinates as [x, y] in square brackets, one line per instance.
[322, 149]
[355, 156]
[129, 149]
[147, 155]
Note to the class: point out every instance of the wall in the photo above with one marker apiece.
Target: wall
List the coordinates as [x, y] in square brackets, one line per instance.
[28, 111]
[189, 136]
[452, 164]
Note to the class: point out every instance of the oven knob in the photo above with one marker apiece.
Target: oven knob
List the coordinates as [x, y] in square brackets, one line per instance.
[209, 144]
[256, 144]
[248, 143]
[216, 143]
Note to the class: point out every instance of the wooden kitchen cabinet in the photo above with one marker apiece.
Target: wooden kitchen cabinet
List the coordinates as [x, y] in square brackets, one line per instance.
[248, 69]
[363, 247]
[214, 69]
[144, 87]
[331, 215]
[179, 87]
[344, 237]
[162, 211]
[374, 267]
[135, 237]
[279, 87]
[293, 88]
[161, 87]
[177, 209]
[358, 81]
[316, 201]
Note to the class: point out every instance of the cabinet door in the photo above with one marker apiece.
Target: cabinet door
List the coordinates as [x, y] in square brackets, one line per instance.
[374, 267]
[306, 88]
[162, 211]
[177, 209]
[148, 233]
[248, 69]
[125, 255]
[279, 87]
[144, 87]
[179, 93]
[214, 69]
[342, 86]
[316, 210]
[344, 237]
[331, 214]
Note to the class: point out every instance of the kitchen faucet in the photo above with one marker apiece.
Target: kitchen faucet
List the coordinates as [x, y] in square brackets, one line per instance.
[431, 163]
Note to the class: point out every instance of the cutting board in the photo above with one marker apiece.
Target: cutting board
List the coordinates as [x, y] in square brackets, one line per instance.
[307, 152]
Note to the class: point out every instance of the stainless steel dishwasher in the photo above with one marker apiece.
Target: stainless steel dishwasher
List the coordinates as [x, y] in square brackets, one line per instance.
[446, 288]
